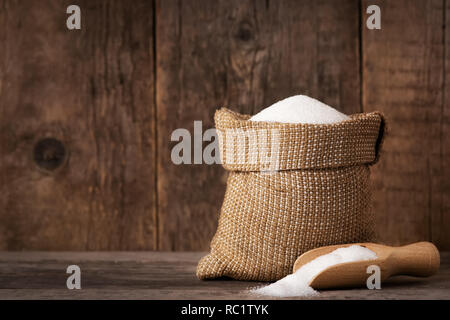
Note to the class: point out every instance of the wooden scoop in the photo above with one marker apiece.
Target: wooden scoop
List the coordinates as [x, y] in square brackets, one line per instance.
[419, 259]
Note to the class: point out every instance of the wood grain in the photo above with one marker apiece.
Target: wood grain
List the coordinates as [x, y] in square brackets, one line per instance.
[403, 77]
[441, 214]
[168, 275]
[93, 91]
[246, 56]
[112, 93]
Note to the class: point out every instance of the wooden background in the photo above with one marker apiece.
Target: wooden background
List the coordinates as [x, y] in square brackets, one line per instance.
[113, 92]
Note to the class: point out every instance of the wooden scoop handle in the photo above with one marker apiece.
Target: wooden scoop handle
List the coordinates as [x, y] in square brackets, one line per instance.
[420, 259]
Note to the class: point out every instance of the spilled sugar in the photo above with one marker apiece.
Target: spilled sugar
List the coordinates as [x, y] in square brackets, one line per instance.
[297, 284]
[300, 109]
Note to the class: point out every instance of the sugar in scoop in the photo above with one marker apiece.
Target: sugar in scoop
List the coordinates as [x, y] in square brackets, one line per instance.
[297, 284]
[300, 109]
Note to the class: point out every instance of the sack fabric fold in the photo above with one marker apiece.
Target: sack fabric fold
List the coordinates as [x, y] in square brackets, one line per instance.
[291, 188]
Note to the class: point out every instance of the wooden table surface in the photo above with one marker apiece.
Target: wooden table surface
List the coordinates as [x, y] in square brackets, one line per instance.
[166, 275]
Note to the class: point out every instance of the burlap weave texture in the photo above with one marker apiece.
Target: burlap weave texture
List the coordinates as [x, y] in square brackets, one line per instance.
[291, 188]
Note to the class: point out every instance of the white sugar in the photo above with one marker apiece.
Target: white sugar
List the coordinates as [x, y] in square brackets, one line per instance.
[297, 284]
[300, 109]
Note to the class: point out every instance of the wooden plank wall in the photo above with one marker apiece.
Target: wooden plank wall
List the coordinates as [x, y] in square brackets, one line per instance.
[244, 55]
[113, 92]
[404, 77]
[93, 90]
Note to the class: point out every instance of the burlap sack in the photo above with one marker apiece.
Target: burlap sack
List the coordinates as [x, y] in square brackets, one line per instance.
[291, 188]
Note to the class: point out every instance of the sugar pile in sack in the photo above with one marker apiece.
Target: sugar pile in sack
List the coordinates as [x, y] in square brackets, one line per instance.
[300, 109]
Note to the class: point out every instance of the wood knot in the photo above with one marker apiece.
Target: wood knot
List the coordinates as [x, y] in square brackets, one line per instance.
[49, 154]
[244, 32]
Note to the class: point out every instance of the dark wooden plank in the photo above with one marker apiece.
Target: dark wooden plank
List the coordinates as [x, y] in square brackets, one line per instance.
[441, 214]
[244, 55]
[167, 275]
[403, 77]
[93, 91]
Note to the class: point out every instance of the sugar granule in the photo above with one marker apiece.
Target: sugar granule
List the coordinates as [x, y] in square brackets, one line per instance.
[300, 109]
[297, 284]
